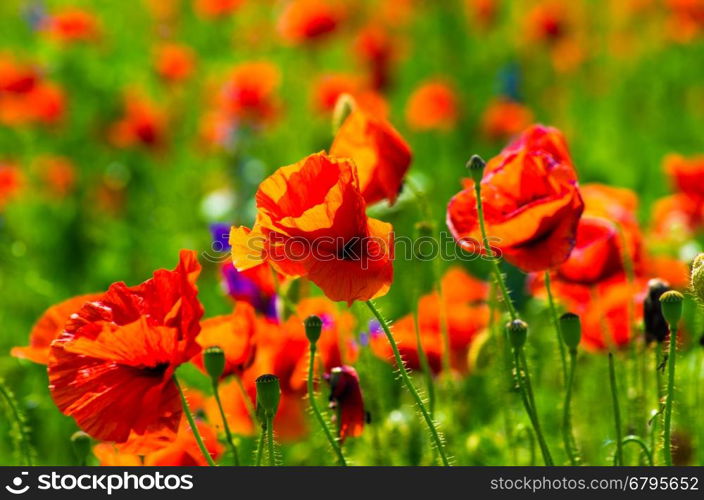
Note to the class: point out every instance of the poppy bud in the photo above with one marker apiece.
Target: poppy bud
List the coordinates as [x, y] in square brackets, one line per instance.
[424, 229]
[476, 167]
[698, 277]
[671, 303]
[654, 321]
[313, 325]
[268, 393]
[571, 329]
[517, 333]
[343, 108]
[81, 444]
[346, 398]
[424, 234]
[214, 361]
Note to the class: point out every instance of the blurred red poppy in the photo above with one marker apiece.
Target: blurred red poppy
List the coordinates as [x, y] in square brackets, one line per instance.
[11, 182]
[143, 123]
[687, 175]
[72, 25]
[249, 91]
[58, 173]
[376, 48]
[504, 118]
[346, 401]
[433, 106]
[211, 9]
[381, 155]
[531, 200]
[112, 367]
[309, 20]
[311, 222]
[49, 327]
[174, 62]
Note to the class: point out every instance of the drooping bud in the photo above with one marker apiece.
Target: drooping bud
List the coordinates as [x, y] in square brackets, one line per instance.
[476, 165]
[654, 321]
[346, 398]
[214, 361]
[697, 281]
[268, 394]
[343, 108]
[517, 333]
[671, 303]
[81, 445]
[314, 326]
[571, 329]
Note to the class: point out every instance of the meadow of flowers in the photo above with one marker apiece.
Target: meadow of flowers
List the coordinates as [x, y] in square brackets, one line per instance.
[351, 232]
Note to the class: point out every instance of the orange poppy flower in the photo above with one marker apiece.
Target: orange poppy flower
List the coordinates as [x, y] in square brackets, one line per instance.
[376, 48]
[685, 19]
[466, 315]
[174, 62]
[11, 182]
[311, 222]
[346, 401]
[309, 20]
[143, 124]
[433, 106]
[72, 25]
[162, 448]
[531, 200]
[676, 218]
[687, 175]
[49, 327]
[548, 21]
[211, 9]
[249, 92]
[235, 334]
[505, 118]
[380, 153]
[15, 76]
[112, 367]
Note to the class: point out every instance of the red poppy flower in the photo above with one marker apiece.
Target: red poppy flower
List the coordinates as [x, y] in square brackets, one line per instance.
[347, 401]
[328, 88]
[687, 174]
[143, 123]
[72, 25]
[15, 76]
[505, 118]
[380, 153]
[376, 48]
[309, 20]
[235, 334]
[11, 182]
[49, 327]
[311, 222]
[433, 106]
[548, 21]
[676, 218]
[249, 91]
[174, 62]
[112, 367]
[531, 201]
[210, 9]
[466, 315]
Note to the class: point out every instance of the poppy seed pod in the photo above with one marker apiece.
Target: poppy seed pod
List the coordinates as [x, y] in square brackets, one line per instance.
[517, 333]
[476, 165]
[268, 393]
[698, 277]
[571, 329]
[654, 322]
[671, 303]
[81, 444]
[314, 326]
[214, 361]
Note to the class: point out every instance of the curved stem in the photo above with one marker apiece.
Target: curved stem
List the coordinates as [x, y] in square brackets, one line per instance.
[19, 421]
[334, 443]
[192, 423]
[270, 439]
[669, 397]
[435, 434]
[567, 433]
[618, 459]
[226, 426]
[637, 440]
[556, 323]
[523, 380]
[498, 276]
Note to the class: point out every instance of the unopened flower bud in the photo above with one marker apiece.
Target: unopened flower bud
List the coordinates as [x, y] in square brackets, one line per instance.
[653, 320]
[268, 393]
[517, 333]
[698, 277]
[81, 445]
[314, 326]
[671, 303]
[343, 108]
[571, 329]
[476, 165]
[214, 361]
